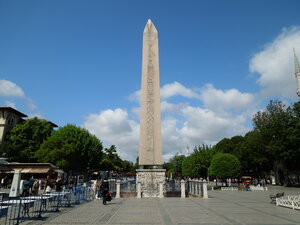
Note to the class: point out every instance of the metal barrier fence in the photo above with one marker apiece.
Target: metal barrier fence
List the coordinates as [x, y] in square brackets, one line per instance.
[15, 210]
[128, 186]
[112, 186]
[172, 188]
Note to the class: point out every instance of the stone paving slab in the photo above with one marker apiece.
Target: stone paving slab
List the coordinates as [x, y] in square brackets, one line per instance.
[223, 207]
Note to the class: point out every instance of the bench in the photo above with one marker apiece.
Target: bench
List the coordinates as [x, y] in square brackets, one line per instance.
[273, 197]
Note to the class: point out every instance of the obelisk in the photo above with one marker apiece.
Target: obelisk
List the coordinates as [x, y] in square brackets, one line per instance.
[150, 173]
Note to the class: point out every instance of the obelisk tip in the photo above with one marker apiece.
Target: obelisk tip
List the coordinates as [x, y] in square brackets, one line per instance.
[149, 27]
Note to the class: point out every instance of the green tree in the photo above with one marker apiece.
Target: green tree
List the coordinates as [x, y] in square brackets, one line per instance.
[190, 167]
[197, 164]
[231, 146]
[175, 165]
[253, 157]
[225, 165]
[71, 148]
[111, 161]
[292, 154]
[274, 126]
[25, 139]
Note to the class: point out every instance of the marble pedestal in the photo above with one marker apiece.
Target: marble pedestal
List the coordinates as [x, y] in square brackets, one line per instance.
[149, 180]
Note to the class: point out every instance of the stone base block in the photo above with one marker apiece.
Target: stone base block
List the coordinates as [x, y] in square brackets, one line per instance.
[149, 180]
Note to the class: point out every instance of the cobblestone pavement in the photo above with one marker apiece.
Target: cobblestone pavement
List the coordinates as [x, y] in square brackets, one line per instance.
[222, 207]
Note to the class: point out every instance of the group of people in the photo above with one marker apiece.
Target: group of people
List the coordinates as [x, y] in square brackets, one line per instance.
[30, 185]
[101, 189]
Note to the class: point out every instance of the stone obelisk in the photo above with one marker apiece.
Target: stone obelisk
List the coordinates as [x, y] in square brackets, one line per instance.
[150, 175]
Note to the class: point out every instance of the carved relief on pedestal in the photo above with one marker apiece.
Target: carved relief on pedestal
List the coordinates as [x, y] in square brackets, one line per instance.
[150, 180]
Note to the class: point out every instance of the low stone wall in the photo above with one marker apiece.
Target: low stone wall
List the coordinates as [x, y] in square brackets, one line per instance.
[197, 188]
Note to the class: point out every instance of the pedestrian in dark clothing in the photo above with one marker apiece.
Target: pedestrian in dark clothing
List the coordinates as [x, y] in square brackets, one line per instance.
[104, 187]
[58, 184]
[26, 186]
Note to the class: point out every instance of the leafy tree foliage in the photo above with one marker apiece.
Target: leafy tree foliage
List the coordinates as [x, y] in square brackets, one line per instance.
[71, 147]
[25, 139]
[225, 165]
[249, 151]
[274, 124]
[112, 162]
[174, 166]
[253, 156]
[197, 164]
[292, 154]
[230, 145]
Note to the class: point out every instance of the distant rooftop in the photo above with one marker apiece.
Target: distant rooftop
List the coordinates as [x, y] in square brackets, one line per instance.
[13, 110]
[53, 124]
[23, 115]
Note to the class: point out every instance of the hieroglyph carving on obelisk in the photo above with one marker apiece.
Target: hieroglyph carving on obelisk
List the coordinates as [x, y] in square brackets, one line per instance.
[150, 152]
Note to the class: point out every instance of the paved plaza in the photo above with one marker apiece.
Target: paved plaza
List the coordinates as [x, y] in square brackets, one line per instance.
[222, 207]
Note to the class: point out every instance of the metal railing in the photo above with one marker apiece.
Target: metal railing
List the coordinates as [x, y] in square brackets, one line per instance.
[17, 210]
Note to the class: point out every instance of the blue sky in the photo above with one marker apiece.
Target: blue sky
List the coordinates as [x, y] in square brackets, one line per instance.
[79, 62]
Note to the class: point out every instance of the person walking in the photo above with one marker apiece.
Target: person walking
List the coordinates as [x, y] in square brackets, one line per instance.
[48, 185]
[58, 184]
[26, 186]
[96, 188]
[104, 187]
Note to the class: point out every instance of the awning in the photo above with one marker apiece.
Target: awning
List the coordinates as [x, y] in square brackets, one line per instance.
[25, 170]
[39, 170]
[30, 170]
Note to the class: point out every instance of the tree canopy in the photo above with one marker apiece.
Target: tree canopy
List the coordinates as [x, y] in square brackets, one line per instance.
[197, 164]
[174, 165]
[279, 128]
[24, 139]
[111, 161]
[225, 165]
[71, 147]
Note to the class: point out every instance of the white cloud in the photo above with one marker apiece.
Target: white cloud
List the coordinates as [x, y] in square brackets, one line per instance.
[8, 88]
[216, 99]
[168, 91]
[135, 96]
[171, 139]
[225, 114]
[175, 89]
[194, 126]
[30, 104]
[10, 104]
[205, 126]
[170, 108]
[113, 127]
[275, 65]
